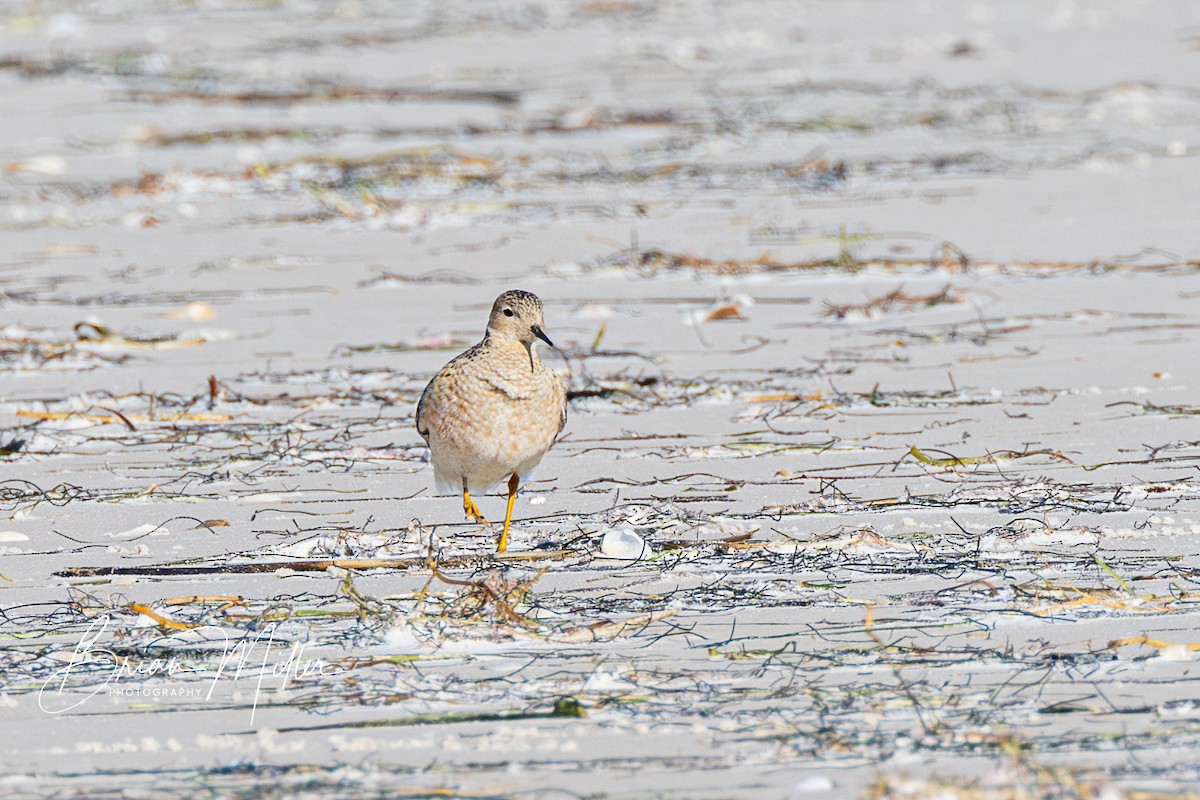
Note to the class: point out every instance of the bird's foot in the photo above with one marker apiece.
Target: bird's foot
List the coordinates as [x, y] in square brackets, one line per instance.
[472, 511]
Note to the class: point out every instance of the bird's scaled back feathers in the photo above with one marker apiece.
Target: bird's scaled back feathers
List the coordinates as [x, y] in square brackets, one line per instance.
[495, 409]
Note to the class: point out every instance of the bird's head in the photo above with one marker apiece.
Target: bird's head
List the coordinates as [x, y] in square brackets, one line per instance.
[517, 315]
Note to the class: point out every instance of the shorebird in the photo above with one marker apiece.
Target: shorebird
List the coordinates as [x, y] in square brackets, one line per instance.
[493, 411]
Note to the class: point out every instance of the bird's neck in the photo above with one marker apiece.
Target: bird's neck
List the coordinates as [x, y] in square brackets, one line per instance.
[506, 344]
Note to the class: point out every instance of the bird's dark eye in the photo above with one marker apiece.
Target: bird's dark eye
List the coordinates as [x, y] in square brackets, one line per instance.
[508, 312]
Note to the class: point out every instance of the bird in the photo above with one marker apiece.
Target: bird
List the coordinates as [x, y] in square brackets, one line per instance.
[493, 411]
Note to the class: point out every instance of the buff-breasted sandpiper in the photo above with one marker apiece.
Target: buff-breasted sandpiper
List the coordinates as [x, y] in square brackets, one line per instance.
[493, 411]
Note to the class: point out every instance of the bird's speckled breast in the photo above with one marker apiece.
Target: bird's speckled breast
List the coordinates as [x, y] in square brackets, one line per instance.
[490, 412]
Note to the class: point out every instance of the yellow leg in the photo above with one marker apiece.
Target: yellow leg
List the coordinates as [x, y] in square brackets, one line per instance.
[502, 545]
[470, 509]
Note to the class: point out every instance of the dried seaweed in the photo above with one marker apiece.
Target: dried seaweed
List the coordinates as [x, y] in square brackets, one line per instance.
[649, 262]
[894, 299]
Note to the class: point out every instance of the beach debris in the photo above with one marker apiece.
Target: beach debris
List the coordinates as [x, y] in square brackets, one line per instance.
[875, 545]
[434, 341]
[159, 619]
[195, 311]
[650, 262]
[45, 165]
[625, 544]
[607, 630]
[113, 417]
[994, 457]
[734, 308]
[886, 303]
[92, 334]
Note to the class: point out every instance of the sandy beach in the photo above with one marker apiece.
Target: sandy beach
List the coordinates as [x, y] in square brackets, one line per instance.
[879, 322]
